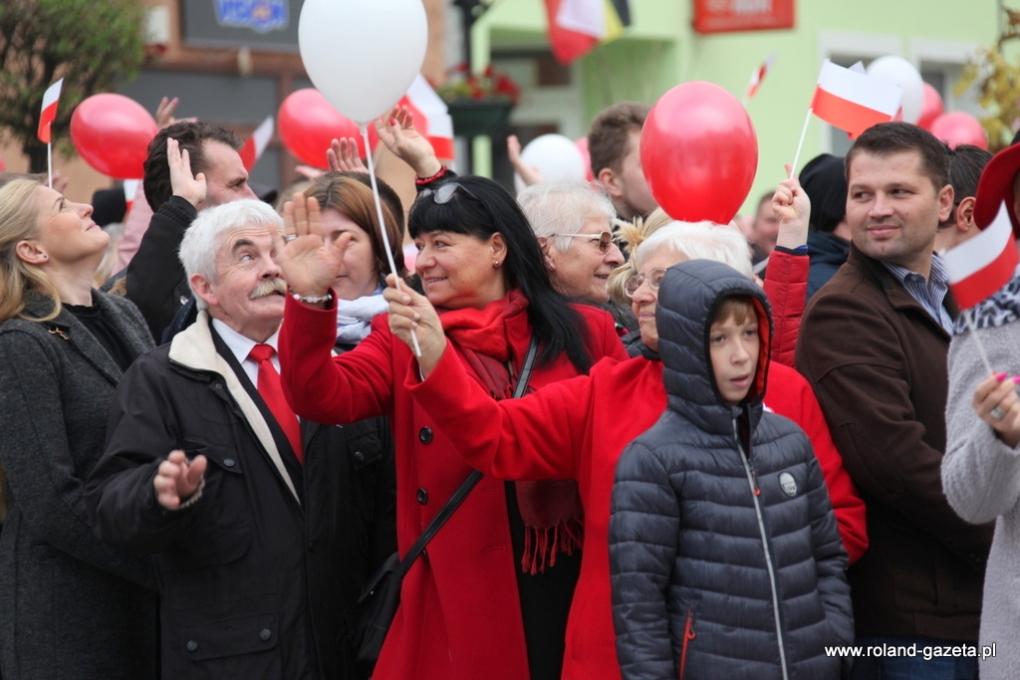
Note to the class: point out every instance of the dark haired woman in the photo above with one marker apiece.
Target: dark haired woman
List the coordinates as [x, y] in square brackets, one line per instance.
[466, 610]
[70, 606]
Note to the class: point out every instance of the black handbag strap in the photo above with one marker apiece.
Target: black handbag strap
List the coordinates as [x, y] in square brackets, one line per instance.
[472, 479]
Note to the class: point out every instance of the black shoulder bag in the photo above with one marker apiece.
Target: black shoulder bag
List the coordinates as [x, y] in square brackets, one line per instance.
[378, 603]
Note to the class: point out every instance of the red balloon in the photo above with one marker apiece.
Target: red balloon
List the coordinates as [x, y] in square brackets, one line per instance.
[582, 146]
[932, 107]
[112, 133]
[699, 153]
[307, 124]
[959, 128]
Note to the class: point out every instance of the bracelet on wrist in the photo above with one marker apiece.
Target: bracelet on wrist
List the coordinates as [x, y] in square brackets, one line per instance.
[421, 181]
[314, 299]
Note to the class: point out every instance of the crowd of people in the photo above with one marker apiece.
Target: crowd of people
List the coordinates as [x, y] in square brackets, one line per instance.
[765, 449]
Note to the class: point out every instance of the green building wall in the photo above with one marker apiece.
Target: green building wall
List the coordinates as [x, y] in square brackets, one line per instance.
[660, 50]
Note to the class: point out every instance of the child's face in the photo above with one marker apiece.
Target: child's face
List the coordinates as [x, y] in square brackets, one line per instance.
[734, 347]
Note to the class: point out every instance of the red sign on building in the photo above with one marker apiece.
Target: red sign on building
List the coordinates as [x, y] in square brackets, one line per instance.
[721, 16]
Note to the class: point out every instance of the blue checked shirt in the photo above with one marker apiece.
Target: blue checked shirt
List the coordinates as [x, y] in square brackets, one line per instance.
[930, 293]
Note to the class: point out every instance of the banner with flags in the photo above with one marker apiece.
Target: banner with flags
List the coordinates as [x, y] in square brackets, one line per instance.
[51, 97]
[982, 265]
[854, 101]
[253, 147]
[758, 76]
[577, 26]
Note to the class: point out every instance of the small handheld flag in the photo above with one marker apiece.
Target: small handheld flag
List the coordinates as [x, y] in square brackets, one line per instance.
[758, 76]
[49, 111]
[253, 147]
[854, 101]
[982, 265]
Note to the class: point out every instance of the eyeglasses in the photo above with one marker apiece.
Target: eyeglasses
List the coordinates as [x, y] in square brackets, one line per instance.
[635, 281]
[444, 194]
[605, 239]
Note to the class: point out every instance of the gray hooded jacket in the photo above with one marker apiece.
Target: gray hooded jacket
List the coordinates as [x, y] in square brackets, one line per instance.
[725, 559]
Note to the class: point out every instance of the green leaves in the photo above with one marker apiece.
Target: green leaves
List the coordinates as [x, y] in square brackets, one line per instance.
[91, 45]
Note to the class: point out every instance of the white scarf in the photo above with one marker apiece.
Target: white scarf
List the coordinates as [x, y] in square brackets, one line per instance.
[354, 317]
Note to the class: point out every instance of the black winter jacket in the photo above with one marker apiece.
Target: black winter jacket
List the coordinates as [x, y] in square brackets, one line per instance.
[253, 583]
[724, 554]
[155, 276]
[828, 252]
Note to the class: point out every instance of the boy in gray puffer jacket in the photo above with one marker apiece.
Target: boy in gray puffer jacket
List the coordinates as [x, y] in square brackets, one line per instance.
[724, 554]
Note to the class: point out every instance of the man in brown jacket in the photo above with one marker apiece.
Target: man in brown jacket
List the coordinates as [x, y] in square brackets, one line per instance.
[873, 343]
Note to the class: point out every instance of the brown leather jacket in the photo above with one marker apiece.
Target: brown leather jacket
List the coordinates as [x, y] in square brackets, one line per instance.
[877, 362]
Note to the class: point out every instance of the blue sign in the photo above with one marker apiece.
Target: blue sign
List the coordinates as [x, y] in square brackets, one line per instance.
[261, 16]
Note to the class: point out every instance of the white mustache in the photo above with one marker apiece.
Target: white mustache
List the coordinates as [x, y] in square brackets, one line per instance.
[269, 287]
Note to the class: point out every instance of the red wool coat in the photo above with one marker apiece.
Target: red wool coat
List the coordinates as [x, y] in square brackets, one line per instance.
[577, 429]
[459, 615]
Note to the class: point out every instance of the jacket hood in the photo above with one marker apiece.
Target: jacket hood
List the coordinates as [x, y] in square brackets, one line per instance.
[827, 248]
[688, 296]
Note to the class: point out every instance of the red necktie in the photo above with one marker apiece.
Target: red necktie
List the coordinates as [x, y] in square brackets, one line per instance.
[271, 391]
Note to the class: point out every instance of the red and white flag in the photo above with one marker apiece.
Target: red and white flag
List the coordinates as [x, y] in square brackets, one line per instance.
[253, 147]
[982, 265]
[130, 191]
[854, 101]
[439, 123]
[50, 99]
[758, 76]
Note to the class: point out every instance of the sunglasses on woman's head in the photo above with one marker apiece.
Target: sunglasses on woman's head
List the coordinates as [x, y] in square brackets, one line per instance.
[444, 194]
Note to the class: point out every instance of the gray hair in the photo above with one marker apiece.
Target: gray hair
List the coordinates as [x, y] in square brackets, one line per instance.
[206, 233]
[563, 208]
[700, 241]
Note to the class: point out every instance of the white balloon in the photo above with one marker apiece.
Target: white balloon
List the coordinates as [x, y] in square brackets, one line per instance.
[556, 158]
[362, 55]
[900, 71]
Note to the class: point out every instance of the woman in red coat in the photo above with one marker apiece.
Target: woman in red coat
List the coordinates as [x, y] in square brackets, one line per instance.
[577, 429]
[468, 610]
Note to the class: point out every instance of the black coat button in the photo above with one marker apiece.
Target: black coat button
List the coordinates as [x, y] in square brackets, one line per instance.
[425, 435]
[422, 496]
[229, 462]
[191, 646]
[359, 456]
[265, 634]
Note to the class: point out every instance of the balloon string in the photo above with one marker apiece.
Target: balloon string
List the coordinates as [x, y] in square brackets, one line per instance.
[800, 144]
[382, 225]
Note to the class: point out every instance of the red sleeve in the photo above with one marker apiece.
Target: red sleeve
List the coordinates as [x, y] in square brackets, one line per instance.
[604, 341]
[786, 282]
[794, 399]
[327, 389]
[536, 437]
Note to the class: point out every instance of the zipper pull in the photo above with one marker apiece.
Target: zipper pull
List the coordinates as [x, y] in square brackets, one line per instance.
[754, 476]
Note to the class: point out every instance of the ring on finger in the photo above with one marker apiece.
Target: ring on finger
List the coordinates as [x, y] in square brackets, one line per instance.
[997, 413]
[289, 237]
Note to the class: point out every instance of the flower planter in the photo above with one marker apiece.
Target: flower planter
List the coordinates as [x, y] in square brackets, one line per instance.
[473, 117]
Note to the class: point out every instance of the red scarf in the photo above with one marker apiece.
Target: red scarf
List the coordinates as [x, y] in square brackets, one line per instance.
[551, 510]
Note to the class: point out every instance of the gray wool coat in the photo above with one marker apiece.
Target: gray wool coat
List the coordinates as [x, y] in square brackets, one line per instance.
[70, 606]
[981, 475]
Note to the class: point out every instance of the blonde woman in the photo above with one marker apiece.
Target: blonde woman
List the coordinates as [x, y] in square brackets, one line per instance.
[69, 605]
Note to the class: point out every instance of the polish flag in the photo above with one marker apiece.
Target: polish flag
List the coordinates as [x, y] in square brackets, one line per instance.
[49, 111]
[758, 76]
[854, 101]
[130, 191]
[440, 126]
[984, 264]
[257, 143]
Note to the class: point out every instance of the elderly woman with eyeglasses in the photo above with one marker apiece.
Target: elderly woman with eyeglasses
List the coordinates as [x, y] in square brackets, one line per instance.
[574, 225]
[577, 429]
[490, 595]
